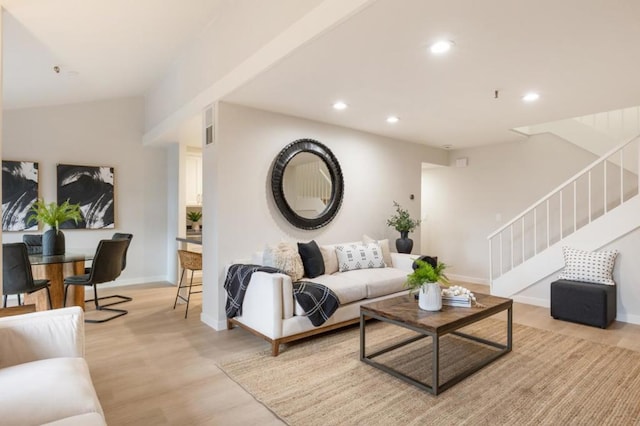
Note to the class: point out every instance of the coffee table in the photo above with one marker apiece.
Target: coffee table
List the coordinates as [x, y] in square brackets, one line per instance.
[403, 311]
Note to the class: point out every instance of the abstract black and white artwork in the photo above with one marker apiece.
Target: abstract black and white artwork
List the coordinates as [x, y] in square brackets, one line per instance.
[19, 192]
[92, 188]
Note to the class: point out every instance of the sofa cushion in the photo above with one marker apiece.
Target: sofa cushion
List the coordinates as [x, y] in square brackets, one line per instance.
[284, 256]
[45, 391]
[384, 246]
[330, 259]
[312, 260]
[359, 256]
[346, 289]
[377, 282]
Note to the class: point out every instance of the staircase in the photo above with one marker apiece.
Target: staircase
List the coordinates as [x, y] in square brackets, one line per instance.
[594, 207]
[597, 133]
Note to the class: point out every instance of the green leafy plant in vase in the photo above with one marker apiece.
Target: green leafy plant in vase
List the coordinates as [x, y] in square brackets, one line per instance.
[427, 279]
[54, 215]
[402, 222]
[194, 216]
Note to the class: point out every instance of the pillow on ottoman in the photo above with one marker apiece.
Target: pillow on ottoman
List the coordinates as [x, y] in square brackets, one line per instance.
[588, 266]
[311, 259]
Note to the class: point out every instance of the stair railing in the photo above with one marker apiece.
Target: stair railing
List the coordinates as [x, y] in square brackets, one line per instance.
[601, 186]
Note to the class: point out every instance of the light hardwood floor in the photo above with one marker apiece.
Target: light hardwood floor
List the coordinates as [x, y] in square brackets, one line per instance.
[153, 367]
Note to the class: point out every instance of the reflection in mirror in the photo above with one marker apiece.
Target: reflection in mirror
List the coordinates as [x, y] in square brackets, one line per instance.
[313, 182]
[307, 185]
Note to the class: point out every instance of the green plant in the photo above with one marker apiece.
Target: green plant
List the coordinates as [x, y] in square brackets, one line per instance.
[402, 220]
[425, 273]
[194, 216]
[53, 214]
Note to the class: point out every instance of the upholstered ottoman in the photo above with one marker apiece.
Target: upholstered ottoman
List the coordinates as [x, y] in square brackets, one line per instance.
[582, 302]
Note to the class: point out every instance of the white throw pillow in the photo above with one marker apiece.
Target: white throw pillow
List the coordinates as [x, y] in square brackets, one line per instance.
[284, 256]
[330, 259]
[359, 256]
[384, 245]
[587, 266]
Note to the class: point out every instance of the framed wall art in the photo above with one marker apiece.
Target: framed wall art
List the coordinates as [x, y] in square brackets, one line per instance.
[92, 188]
[19, 192]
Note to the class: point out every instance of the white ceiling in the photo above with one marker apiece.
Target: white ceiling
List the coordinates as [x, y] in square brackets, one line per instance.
[105, 49]
[581, 55]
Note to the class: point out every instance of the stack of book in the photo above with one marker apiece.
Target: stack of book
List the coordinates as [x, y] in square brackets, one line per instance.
[457, 296]
[463, 301]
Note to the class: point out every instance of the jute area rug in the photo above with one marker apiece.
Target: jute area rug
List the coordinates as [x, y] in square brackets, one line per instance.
[548, 378]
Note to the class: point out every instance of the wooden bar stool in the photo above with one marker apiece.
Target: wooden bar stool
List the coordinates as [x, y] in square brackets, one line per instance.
[192, 261]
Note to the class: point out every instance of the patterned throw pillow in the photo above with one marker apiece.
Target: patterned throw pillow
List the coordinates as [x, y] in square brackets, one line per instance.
[587, 266]
[357, 256]
[284, 256]
[384, 245]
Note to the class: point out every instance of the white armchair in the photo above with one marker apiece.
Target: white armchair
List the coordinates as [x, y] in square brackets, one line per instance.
[43, 374]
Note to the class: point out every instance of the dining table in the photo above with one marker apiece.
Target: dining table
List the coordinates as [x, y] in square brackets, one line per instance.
[55, 269]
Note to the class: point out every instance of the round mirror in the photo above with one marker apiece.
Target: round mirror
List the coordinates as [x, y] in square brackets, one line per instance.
[307, 184]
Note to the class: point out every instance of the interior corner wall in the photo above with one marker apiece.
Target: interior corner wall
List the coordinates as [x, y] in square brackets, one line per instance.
[376, 170]
[105, 133]
[463, 205]
[212, 55]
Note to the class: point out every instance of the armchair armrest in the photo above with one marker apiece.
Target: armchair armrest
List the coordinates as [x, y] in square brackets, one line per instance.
[41, 335]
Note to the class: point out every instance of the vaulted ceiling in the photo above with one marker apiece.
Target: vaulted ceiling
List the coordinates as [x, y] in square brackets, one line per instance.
[581, 56]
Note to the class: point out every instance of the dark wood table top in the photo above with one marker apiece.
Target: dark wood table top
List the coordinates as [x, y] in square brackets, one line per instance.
[405, 309]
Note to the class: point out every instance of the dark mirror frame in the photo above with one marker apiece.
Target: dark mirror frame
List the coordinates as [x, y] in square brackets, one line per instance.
[337, 183]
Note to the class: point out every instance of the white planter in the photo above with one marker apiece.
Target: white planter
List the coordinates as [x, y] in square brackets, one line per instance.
[429, 297]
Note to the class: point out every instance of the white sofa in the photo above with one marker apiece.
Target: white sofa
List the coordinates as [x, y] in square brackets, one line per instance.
[270, 311]
[44, 378]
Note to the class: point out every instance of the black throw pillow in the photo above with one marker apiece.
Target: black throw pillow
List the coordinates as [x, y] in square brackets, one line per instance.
[431, 260]
[311, 259]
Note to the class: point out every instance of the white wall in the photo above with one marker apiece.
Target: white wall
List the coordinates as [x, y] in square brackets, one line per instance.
[106, 133]
[625, 274]
[462, 206]
[376, 171]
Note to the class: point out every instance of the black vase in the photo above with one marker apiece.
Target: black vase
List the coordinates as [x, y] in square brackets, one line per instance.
[404, 244]
[53, 243]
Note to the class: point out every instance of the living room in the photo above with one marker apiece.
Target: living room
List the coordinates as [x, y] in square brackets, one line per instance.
[459, 206]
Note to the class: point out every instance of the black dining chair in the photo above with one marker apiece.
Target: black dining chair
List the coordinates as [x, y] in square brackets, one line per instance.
[17, 277]
[118, 236]
[33, 242]
[107, 266]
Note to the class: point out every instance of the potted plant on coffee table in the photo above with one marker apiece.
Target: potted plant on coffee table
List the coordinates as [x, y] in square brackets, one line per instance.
[403, 223]
[54, 215]
[426, 278]
[194, 216]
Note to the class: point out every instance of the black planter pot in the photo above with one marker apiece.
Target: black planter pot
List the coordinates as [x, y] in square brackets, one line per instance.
[53, 243]
[404, 244]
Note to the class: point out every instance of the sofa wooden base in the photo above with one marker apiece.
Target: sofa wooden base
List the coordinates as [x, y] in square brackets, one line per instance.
[275, 343]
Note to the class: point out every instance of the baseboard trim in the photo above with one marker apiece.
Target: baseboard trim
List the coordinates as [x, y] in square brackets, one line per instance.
[135, 281]
[212, 322]
[630, 318]
[466, 279]
[535, 301]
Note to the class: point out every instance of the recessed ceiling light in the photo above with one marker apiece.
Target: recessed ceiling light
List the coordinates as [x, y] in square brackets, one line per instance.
[392, 119]
[441, 46]
[339, 105]
[531, 97]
